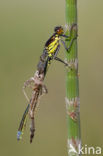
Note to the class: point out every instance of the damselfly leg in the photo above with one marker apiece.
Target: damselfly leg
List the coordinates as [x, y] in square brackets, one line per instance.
[28, 83]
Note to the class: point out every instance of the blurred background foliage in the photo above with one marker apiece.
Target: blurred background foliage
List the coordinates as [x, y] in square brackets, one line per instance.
[25, 25]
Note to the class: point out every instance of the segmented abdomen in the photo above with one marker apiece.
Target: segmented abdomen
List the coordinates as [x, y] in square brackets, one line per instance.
[22, 123]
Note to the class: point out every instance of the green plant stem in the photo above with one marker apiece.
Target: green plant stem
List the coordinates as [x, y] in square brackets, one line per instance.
[72, 85]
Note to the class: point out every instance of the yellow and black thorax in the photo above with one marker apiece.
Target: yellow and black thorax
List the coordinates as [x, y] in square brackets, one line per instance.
[49, 51]
[52, 44]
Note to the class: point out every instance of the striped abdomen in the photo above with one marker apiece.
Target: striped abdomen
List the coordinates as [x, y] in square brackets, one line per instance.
[22, 123]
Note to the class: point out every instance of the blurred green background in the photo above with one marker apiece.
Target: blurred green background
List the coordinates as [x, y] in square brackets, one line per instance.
[25, 25]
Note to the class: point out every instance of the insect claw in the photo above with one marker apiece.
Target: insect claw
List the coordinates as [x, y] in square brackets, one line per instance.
[72, 64]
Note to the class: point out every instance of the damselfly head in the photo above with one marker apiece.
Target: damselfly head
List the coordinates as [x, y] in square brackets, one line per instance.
[59, 30]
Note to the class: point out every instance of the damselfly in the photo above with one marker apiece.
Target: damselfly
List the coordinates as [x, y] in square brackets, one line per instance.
[50, 52]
